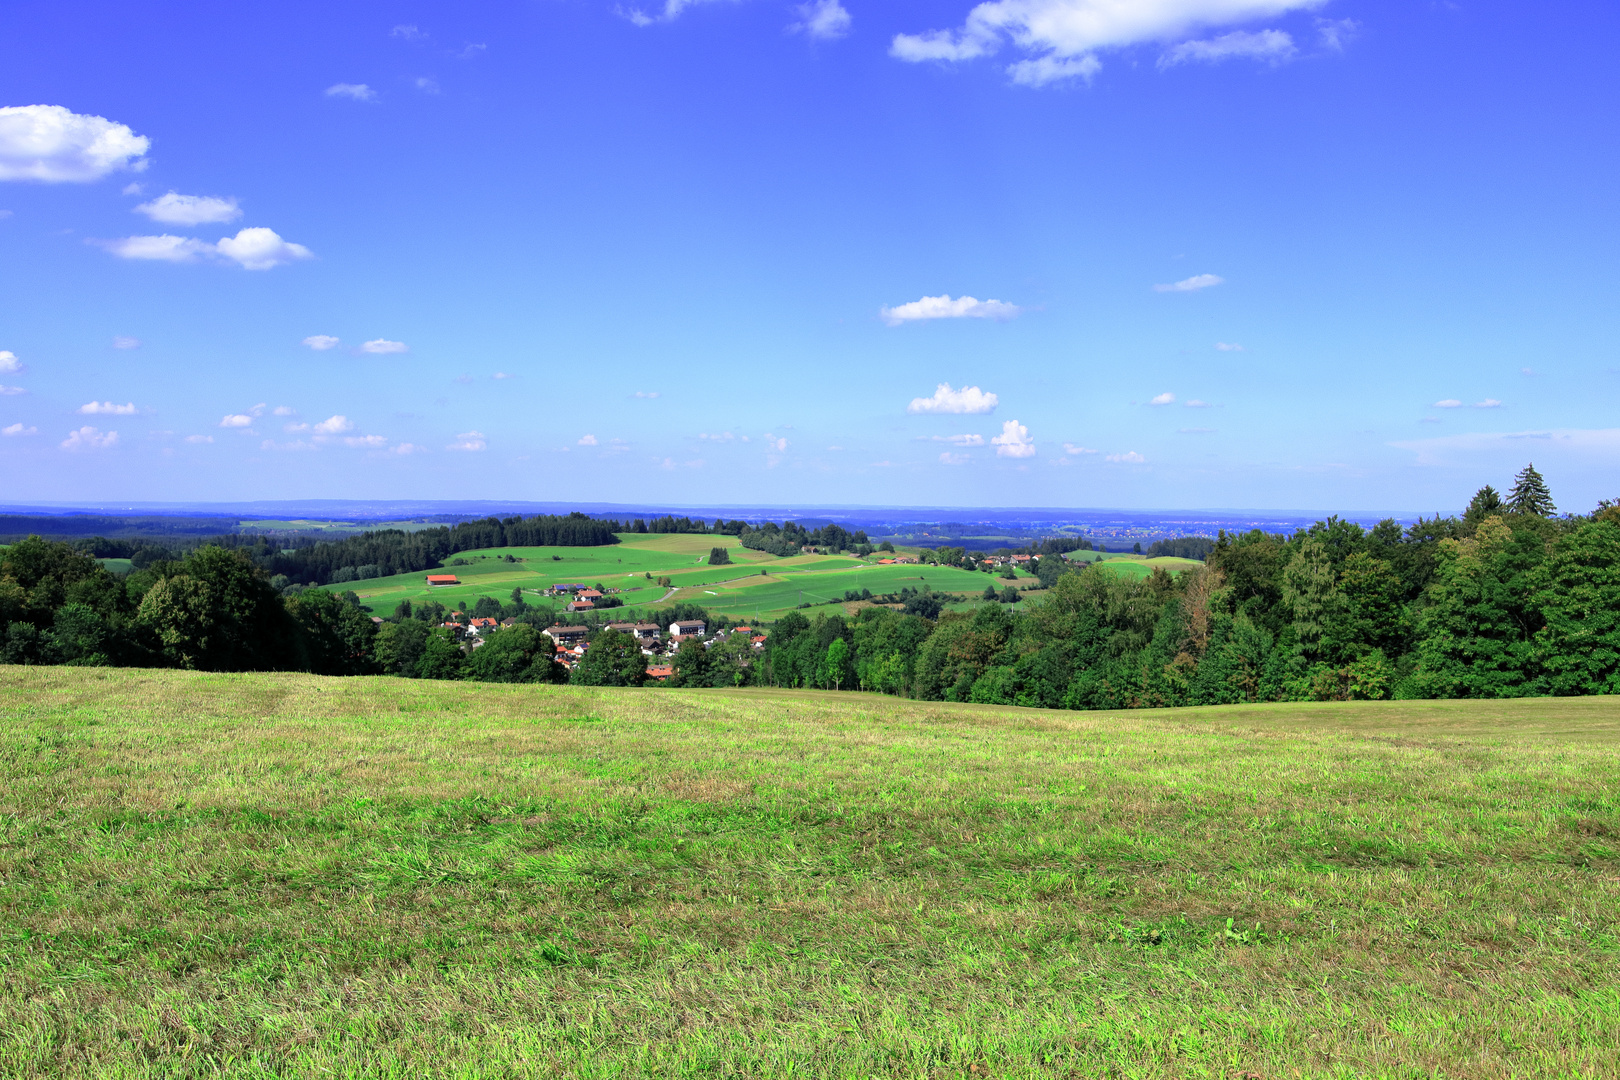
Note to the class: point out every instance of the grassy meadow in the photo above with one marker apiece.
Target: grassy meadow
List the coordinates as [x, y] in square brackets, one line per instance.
[738, 590]
[285, 875]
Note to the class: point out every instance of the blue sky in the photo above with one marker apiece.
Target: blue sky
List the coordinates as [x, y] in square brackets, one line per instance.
[1140, 253]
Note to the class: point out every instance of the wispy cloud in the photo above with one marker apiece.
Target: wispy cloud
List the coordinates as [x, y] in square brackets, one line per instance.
[969, 400]
[943, 307]
[468, 440]
[1129, 457]
[199, 438]
[126, 343]
[823, 20]
[1194, 403]
[175, 209]
[352, 91]
[1014, 441]
[948, 458]
[1060, 39]
[1192, 284]
[107, 408]
[89, 438]
[1272, 45]
[954, 440]
[409, 32]
[1075, 450]
[1448, 403]
[1335, 34]
[16, 430]
[54, 145]
[648, 394]
[11, 391]
[427, 84]
[383, 347]
[1488, 403]
[1228, 347]
[1603, 443]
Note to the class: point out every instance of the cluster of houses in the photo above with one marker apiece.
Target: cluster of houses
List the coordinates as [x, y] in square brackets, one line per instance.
[656, 641]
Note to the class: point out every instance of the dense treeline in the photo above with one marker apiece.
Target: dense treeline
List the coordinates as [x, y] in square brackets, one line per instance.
[1182, 547]
[1506, 601]
[394, 551]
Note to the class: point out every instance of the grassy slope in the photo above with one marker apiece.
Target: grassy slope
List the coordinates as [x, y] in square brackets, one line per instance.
[285, 875]
[738, 590]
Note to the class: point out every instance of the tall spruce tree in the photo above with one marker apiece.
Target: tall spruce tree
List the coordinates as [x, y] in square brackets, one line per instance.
[1486, 501]
[1530, 494]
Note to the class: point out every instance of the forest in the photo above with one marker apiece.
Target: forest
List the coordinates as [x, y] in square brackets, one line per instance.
[1508, 599]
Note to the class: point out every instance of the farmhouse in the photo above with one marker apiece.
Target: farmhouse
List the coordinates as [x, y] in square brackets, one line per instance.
[566, 635]
[442, 579]
[580, 605]
[660, 673]
[686, 628]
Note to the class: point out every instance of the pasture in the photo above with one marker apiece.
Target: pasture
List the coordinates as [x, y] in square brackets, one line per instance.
[284, 875]
[738, 590]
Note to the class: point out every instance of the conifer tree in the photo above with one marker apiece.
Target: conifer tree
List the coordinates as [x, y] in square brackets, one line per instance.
[1486, 501]
[1530, 494]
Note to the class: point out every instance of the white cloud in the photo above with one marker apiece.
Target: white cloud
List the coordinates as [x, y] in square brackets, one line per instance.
[943, 307]
[500, 375]
[948, 458]
[824, 20]
[408, 448]
[1448, 403]
[1488, 403]
[409, 32]
[427, 85]
[133, 188]
[955, 440]
[163, 248]
[968, 400]
[382, 346]
[646, 394]
[89, 438]
[9, 364]
[468, 440]
[1165, 398]
[51, 144]
[724, 436]
[774, 445]
[355, 91]
[1014, 441]
[375, 442]
[17, 429]
[320, 342]
[253, 249]
[296, 444]
[258, 410]
[126, 343]
[586, 440]
[1335, 34]
[11, 391]
[260, 249]
[1061, 37]
[284, 410]
[199, 438]
[236, 420]
[1192, 284]
[1226, 347]
[107, 408]
[1273, 45]
[1072, 450]
[333, 425]
[471, 51]
[1516, 445]
[1130, 457]
[173, 209]
[672, 10]
[1196, 404]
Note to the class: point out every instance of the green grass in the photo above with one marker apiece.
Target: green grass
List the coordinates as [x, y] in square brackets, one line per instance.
[737, 590]
[282, 875]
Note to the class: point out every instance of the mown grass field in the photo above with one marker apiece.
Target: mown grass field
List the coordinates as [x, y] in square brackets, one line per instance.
[283, 875]
[738, 590]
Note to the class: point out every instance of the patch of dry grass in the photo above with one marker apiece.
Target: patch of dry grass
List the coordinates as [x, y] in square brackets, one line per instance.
[287, 875]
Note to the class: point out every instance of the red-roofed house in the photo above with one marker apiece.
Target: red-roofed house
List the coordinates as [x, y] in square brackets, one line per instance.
[442, 579]
[660, 673]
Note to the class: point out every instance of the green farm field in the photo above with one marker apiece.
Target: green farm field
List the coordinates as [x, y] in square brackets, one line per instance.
[290, 876]
[739, 590]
